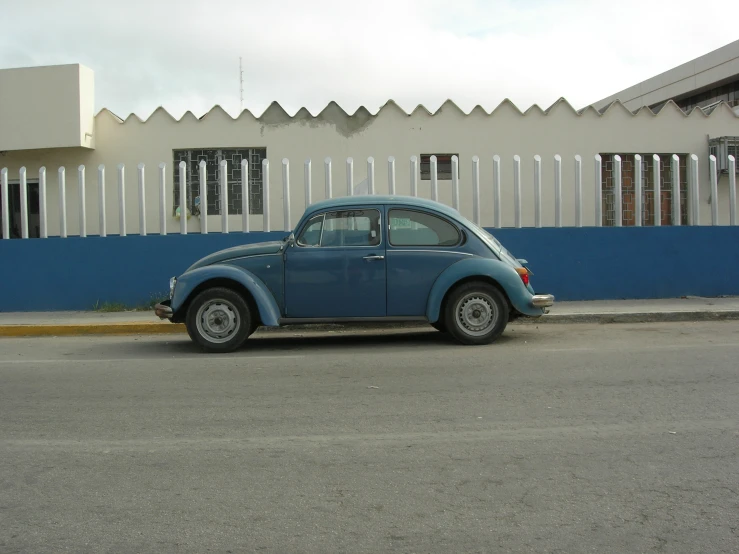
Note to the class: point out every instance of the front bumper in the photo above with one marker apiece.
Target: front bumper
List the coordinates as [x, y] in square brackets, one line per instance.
[542, 301]
[163, 310]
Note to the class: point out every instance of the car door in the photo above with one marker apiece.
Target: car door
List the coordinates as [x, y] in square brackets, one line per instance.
[336, 266]
[421, 245]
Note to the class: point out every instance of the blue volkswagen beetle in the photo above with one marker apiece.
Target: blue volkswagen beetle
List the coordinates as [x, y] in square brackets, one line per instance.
[358, 259]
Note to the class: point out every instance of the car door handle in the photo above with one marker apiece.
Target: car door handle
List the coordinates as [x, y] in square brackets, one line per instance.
[374, 257]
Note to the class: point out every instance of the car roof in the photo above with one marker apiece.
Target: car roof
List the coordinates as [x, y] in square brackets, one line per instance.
[394, 200]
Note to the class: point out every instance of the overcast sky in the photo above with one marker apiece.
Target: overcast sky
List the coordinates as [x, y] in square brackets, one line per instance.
[184, 54]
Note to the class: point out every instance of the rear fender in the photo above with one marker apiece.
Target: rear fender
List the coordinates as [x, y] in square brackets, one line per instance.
[269, 311]
[511, 283]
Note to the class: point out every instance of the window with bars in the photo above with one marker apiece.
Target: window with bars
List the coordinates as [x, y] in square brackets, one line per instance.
[443, 166]
[628, 189]
[213, 158]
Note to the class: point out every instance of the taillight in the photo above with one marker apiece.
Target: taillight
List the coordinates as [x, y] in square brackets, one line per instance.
[523, 273]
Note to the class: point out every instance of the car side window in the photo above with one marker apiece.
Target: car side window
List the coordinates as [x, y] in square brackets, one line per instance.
[412, 228]
[342, 228]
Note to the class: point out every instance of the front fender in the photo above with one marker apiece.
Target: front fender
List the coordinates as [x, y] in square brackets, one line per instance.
[519, 295]
[269, 312]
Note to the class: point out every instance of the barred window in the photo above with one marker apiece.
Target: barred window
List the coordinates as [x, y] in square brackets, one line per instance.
[628, 189]
[213, 158]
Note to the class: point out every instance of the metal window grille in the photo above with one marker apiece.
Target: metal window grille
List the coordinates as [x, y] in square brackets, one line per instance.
[628, 189]
[213, 158]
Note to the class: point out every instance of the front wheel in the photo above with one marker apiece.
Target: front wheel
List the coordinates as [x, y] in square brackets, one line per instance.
[218, 320]
[476, 313]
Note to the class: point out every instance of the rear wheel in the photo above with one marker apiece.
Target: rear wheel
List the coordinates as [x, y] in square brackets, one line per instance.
[219, 320]
[476, 313]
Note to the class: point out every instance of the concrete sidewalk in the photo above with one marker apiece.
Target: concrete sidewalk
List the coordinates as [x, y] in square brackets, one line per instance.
[18, 324]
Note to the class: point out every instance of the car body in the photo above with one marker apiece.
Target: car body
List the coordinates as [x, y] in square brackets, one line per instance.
[358, 259]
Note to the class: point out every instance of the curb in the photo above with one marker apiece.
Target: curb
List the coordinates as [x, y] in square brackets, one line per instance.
[179, 328]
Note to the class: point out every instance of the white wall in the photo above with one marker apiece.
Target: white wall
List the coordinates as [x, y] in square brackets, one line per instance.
[46, 107]
[505, 132]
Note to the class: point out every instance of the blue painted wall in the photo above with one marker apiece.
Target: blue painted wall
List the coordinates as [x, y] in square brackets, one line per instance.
[573, 264]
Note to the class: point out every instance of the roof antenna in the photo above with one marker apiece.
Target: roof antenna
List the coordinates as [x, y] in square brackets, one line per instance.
[241, 86]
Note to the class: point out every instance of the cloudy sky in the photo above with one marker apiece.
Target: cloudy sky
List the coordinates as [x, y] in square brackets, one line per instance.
[184, 54]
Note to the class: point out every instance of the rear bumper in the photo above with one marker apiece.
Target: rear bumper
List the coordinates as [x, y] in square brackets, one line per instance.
[542, 301]
[163, 310]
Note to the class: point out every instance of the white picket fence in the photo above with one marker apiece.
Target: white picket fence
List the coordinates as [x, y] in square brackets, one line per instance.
[693, 192]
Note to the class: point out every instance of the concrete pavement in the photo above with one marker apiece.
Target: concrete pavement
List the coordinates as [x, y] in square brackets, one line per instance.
[145, 323]
[558, 438]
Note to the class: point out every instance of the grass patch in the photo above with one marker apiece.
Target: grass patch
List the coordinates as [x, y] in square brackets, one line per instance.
[143, 306]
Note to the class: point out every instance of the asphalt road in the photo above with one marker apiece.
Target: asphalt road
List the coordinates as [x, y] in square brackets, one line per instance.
[559, 438]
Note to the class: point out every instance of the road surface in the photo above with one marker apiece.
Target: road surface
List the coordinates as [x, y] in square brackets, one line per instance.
[559, 438]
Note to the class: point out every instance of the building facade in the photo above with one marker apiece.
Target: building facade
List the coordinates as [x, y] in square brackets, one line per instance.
[56, 130]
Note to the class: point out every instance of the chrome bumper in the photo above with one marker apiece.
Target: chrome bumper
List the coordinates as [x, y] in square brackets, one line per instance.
[163, 311]
[542, 300]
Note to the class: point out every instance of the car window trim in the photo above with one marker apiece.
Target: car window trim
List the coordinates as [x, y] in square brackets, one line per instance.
[460, 236]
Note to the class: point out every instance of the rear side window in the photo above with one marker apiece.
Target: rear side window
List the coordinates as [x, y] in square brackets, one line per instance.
[411, 228]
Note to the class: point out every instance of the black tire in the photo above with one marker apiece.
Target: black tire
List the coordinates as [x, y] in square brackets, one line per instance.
[484, 304]
[227, 326]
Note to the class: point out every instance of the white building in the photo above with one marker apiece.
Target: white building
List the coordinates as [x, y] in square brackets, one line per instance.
[47, 119]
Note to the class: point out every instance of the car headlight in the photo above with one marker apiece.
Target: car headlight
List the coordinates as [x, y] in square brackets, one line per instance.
[172, 283]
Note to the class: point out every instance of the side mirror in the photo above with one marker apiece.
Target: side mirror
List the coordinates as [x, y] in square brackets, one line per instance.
[290, 240]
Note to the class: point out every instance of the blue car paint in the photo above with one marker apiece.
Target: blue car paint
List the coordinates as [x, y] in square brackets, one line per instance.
[503, 273]
[335, 282]
[269, 312]
[327, 286]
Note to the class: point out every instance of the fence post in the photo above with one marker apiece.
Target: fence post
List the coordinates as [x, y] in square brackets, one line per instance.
[62, 203]
[391, 175]
[714, 190]
[265, 195]
[537, 190]
[183, 198]
[617, 197]
[121, 200]
[244, 195]
[732, 190]
[638, 188]
[24, 203]
[223, 181]
[81, 188]
[371, 175]
[203, 184]
[694, 217]
[103, 231]
[476, 190]
[43, 231]
[142, 199]
[162, 199]
[308, 182]
[598, 191]
[517, 190]
[455, 182]
[496, 191]
[349, 177]
[414, 176]
[434, 178]
[578, 191]
[557, 190]
[286, 219]
[327, 169]
[675, 189]
[4, 196]
[657, 185]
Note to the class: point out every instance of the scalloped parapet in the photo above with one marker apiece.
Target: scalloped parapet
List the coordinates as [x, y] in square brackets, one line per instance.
[347, 124]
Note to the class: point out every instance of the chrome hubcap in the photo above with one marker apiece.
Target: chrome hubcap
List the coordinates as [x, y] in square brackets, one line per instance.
[218, 321]
[476, 314]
